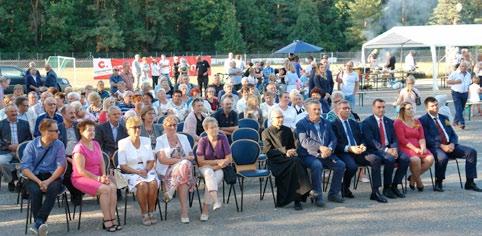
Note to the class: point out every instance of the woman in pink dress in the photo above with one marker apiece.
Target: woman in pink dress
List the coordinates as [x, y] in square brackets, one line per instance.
[411, 141]
[89, 175]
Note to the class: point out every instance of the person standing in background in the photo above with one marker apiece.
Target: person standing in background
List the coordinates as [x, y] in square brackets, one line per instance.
[155, 71]
[136, 71]
[203, 69]
[459, 82]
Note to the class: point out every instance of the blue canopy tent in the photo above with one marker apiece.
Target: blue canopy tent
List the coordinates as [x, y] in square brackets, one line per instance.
[298, 46]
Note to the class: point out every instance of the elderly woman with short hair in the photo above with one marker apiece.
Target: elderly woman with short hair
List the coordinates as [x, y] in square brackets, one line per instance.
[136, 160]
[80, 113]
[213, 154]
[175, 156]
[148, 115]
[95, 105]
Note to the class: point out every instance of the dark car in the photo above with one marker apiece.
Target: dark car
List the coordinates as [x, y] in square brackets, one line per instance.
[17, 76]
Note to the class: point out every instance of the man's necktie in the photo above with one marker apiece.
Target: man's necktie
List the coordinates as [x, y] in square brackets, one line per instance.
[351, 139]
[441, 133]
[381, 130]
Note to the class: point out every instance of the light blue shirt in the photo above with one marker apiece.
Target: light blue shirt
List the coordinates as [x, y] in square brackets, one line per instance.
[34, 151]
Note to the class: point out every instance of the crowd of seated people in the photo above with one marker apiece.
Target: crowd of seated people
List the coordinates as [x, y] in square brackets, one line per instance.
[150, 132]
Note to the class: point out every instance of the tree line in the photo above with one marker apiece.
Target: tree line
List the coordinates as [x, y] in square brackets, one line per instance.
[211, 25]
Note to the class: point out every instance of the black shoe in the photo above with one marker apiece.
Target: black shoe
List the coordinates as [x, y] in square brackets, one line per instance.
[319, 202]
[397, 192]
[387, 192]
[438, 187]
[420, 189]
[346, 193]
[336, 198]
[298, 206]
[376, 196]
[472, 186]
[11, 186]
[412, 187]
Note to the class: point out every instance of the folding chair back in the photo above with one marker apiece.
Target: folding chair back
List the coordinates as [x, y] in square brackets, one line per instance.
[245, 133]
[189, 138]
[245, 153]
[106, 158]
[20, 149]
[248, 123]
[180, 127]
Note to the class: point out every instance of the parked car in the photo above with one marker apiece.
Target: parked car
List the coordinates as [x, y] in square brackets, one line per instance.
[17, 76]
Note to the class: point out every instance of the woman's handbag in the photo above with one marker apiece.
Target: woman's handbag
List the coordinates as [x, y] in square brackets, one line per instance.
[229, 173]
[120, 181]
[418, 100]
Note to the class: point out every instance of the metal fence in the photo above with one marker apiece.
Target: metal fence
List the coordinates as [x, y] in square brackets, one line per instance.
[84, 59]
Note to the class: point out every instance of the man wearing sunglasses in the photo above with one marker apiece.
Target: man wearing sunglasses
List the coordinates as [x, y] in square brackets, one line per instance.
[43, 164]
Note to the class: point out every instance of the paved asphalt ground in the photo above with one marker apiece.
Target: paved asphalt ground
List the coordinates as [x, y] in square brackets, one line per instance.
[454, 212]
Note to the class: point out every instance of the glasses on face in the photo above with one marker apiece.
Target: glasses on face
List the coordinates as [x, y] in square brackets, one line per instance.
[53, 130]
[135, 127]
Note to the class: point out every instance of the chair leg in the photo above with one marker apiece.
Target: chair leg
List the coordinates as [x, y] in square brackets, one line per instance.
[357, 179]
[370, 177]
[28, 216]
[458, 170]
[241, 187]
[272, 190]
[159, 206]
[235, 197]
[260, 189]
[117, 213]
[125, 207]
[199, 201]
[264, 189]
[327, 181]
[431, 178]
[80, 213]
[67, 214]
[224, 198]
[165, 210]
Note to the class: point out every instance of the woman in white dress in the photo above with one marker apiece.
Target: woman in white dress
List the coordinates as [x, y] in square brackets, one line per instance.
[174, 164]
[136, 161]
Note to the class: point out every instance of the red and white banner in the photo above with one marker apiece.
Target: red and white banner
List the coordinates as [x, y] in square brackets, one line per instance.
[103, 66]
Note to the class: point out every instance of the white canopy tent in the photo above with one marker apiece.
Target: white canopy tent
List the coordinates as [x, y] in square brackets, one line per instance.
[431, 36]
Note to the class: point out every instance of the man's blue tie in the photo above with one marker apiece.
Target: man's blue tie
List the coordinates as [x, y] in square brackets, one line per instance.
[351, 139]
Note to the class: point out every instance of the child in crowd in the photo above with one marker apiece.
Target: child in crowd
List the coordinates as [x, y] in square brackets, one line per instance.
[474, 94]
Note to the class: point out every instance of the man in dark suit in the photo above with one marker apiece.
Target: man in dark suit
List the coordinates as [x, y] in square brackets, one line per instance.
[33, 82]
[51, 77]
[352, 150]
[13, 132]
[442, 141]
[109, 133]
[380, 138]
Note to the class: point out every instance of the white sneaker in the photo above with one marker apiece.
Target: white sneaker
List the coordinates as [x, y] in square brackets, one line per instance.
[33, 230]
[217, 205]
[185, 220]
[204, 217]
[43, 230]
